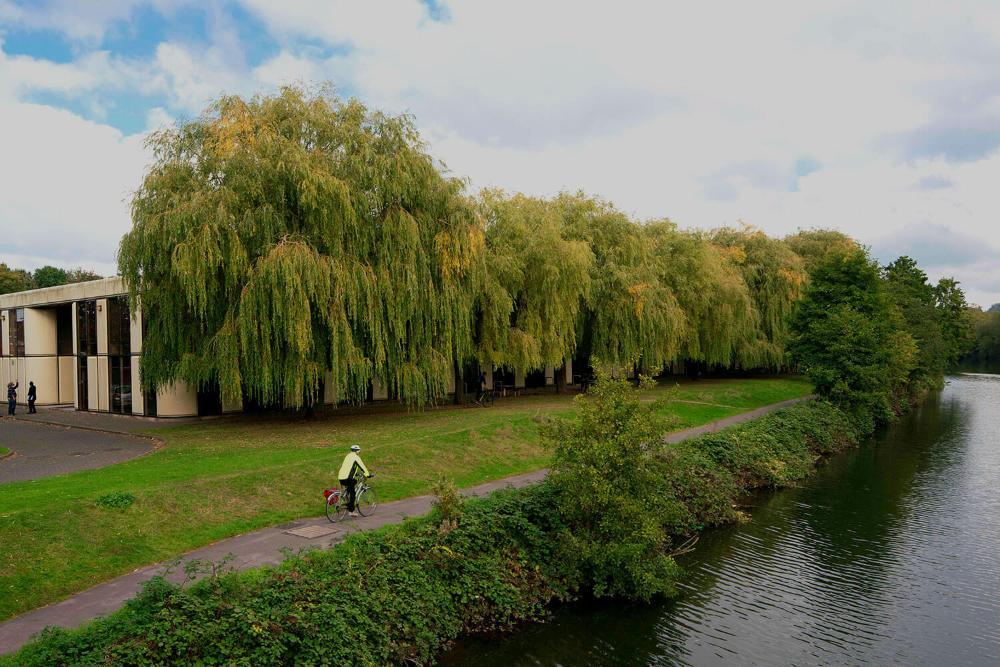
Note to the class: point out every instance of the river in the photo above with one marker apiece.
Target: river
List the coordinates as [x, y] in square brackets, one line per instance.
[890, 554]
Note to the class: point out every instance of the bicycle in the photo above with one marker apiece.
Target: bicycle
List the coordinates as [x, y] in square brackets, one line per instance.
[365, 501]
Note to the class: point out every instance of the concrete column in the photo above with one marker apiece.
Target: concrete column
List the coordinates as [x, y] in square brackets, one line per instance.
[102, 326]
[92, 384]
[39, 331]
[135, 329]
[67, 380]
[569, 371]
[550, 376]
[103, 384]
[518, 379]
[5, 335]
[138, 395]
[177, 400]
[76, 351]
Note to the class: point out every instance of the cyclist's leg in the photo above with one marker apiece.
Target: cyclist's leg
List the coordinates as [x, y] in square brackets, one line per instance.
[350, 489]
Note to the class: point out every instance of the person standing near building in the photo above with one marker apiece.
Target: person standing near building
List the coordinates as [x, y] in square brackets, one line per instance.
[11, 397]
[32, 393]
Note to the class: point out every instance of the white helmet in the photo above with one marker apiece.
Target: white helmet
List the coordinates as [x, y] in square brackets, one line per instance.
[355, 448]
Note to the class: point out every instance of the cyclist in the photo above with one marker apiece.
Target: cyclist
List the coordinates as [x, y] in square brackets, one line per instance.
[349, 471]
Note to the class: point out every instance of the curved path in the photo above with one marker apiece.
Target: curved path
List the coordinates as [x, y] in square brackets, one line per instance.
[269, 545]
[44, 450]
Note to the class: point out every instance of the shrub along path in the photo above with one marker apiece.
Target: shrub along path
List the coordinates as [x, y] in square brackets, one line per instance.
[269, 546]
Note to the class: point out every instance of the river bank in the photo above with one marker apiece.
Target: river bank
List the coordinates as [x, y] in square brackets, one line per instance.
[502, 562]
[888, 555]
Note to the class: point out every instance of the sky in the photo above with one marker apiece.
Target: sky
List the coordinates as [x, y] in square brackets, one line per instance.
[878, 119]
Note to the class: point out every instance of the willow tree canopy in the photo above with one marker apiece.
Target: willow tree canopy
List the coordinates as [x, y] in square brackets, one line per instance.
[812, 245]
[631, 316]
[774, 276]
[282, 240]
[720, 323]
[541, 277]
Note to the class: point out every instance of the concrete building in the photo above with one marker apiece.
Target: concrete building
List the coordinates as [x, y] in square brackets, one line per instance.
[80, 345]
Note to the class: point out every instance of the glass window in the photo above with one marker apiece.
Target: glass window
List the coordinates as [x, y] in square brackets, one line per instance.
[16, 319]
[119, 329]
[121, 385]
[86, 327]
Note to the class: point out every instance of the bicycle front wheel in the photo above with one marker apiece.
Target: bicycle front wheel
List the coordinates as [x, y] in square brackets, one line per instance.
[336, 508]
[367, 502]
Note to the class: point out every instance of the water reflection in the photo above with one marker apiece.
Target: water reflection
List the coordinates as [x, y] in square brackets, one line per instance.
[889, 555]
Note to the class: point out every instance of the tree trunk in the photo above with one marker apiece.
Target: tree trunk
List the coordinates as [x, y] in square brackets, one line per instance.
[561, 379]
[460, 397]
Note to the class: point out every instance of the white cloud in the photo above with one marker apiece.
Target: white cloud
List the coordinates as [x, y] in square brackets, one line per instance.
[703, 112]
[64, 186]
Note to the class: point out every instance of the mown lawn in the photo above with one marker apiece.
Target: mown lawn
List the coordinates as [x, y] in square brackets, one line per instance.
[220, 478]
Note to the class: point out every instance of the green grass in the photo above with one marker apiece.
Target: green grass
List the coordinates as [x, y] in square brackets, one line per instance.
[4, 452]
[220, 478]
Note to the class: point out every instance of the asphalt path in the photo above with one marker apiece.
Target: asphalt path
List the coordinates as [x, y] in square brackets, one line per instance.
[45, 450]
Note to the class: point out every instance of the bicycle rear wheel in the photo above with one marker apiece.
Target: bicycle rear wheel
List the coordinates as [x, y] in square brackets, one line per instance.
[336, 508]
[367, 501]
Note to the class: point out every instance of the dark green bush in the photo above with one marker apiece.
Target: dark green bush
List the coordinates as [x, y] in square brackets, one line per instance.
[116, 500]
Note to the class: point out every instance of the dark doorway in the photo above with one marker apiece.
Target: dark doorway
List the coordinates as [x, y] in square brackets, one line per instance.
[535, 380]
[64, 330]
[209, 400]
[81, 383]
[503, 379]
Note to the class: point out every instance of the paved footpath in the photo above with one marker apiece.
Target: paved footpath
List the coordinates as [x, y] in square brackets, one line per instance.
[44, 449]
[269, 545]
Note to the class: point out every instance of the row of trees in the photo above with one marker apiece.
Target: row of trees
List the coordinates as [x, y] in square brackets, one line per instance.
[18, 280]
[278, 238]
[873, 338]
[985, 349]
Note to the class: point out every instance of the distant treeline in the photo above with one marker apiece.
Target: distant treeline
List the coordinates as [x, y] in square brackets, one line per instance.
[18, 280]
[985, 350]
[278, 238]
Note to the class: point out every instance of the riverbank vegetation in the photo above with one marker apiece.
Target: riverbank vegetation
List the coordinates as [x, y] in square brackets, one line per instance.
[985, 349]
[618, 503]
[874, 339]
[219, 478]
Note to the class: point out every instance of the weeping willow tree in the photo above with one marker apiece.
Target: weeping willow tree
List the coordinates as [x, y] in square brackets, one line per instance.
[631, 317]
[536, 281]
[720, 323]
[774, 277]
[812, 245]
[285, 241]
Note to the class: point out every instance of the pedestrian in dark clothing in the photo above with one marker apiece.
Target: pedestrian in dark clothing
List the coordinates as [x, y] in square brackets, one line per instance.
[31, 398]
[11, 397]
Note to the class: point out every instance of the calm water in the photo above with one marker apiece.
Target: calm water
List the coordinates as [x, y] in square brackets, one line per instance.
[889, 555]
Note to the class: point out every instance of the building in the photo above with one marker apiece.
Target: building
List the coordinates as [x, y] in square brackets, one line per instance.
[80, 345]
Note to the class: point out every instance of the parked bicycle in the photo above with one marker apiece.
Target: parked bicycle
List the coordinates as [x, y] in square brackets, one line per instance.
[336, 501]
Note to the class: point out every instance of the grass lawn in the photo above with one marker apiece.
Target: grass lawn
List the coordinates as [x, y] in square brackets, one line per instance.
[220, 478]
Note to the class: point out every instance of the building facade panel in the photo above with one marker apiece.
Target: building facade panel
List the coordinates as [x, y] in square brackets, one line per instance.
[67, 380]
[176, 400]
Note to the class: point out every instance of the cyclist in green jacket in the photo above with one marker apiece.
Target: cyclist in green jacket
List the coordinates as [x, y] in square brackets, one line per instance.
[349, 471]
